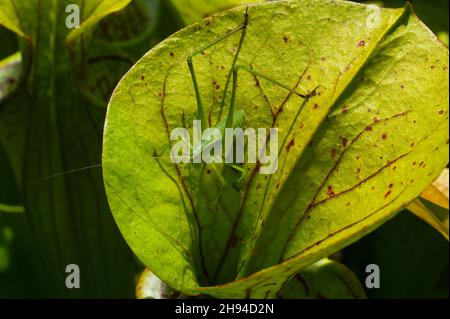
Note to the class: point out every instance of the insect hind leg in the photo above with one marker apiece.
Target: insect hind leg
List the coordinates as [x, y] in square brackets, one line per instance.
[268, 78]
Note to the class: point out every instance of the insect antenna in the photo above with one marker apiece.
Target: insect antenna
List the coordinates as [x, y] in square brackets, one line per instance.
[69, 172]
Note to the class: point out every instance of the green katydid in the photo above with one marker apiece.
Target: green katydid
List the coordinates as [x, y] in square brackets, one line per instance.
[234, 119]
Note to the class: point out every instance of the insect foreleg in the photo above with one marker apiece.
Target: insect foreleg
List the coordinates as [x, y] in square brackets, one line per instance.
[233, 65]
[230, 116]
[200, 110]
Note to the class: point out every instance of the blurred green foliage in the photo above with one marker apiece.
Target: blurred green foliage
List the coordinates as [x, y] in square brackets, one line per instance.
[412, 256]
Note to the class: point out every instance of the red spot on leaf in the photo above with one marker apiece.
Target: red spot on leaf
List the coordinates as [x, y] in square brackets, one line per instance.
[344, 141]
[234, 241]
[330, 191]
[291, 143]
[333, 152]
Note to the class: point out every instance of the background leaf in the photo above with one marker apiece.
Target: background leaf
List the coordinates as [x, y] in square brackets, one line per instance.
[10, 69]
[10, 196]
[431, 213]
[412, 256]
[190, 11]
[325, 279]
[433, 204]
[48, 128]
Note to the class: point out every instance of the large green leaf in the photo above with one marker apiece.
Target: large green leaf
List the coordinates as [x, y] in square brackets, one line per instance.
[370, 141]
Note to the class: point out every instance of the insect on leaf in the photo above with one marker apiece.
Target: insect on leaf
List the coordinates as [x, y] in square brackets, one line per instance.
[350, 156]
